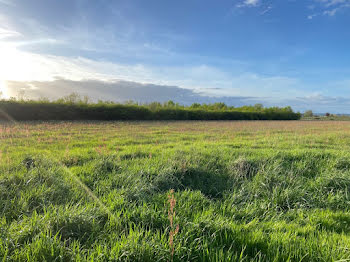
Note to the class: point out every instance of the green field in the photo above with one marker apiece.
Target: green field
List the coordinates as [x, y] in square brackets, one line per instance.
[245, 191]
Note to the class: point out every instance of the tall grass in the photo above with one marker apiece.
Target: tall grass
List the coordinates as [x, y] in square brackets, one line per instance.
[245, 191]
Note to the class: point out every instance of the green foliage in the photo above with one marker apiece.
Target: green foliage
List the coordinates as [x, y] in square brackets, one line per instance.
[308, 113]
[75, 107]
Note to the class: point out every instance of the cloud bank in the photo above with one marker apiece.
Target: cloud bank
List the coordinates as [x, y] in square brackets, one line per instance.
[116, 90]
[121, 91]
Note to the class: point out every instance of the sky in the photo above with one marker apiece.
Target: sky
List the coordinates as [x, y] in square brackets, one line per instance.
[274, 52]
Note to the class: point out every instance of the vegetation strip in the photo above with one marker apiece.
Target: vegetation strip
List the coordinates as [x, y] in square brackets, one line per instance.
[75, 108]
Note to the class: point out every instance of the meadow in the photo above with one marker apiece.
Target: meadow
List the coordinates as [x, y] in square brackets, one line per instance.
[243, 191]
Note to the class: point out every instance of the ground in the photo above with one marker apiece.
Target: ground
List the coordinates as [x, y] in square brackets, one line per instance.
[244, 191]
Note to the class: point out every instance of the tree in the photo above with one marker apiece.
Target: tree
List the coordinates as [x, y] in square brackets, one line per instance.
[73, 98]
[258, 107]
[154, 105]
[21, 94]
[169, 103]
[85, 100]
[195, 105]
[131, 102]
[308, 113]
[219, 106]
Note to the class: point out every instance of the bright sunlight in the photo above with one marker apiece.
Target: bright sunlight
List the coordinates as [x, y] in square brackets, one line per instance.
[17, 65]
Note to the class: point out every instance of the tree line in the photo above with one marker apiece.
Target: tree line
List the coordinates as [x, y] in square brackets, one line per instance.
[75, 107]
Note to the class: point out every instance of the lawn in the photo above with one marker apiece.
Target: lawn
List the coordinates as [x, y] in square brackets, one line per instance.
[244, 191]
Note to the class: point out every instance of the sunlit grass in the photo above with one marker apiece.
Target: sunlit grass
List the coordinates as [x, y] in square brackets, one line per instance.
[245, 191]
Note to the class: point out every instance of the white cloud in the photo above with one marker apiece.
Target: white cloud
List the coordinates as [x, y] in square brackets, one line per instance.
[329, 3]
[17, 65]
[331, 12]
[6, 33]
[311, 16]
[251, 2]
[331, 7]
[263, 7]
[248, 3]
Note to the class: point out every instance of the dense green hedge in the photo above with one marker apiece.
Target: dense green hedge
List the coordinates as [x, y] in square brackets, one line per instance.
[45, 110]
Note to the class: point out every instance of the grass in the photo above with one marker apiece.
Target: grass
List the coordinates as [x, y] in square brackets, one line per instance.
[244, 191]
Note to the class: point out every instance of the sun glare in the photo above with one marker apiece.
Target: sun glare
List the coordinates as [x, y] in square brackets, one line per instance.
[13, 63]
[16, 65]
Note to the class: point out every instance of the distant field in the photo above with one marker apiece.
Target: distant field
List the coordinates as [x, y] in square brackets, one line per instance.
[244, 190]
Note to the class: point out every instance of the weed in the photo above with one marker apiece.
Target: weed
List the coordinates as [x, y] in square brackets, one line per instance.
[174, 229]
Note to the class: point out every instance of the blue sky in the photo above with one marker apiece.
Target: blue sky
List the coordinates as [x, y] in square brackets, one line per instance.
[277, 52]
